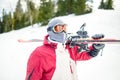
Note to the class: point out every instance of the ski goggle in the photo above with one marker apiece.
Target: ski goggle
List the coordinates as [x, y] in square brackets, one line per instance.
[59, 28]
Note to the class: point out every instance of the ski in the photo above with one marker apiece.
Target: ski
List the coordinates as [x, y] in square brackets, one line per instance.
[109, 41]
[30, 40]
[104, 41]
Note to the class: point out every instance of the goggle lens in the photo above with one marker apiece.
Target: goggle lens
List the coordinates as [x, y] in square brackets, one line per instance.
[59, 28]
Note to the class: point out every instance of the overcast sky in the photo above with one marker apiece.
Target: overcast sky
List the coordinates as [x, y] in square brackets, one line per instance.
[9, 5]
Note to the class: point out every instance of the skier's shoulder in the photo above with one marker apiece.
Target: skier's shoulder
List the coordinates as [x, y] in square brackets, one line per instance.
[43, 50]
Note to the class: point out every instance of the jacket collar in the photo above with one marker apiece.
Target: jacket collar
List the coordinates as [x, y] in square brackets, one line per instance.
[50, 43]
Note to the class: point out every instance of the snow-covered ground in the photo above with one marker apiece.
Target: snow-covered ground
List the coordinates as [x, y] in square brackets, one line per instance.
[14, 55]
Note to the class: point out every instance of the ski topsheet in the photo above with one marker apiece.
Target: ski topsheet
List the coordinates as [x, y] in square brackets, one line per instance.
[30, 40]
[109, 41]
[103, 40]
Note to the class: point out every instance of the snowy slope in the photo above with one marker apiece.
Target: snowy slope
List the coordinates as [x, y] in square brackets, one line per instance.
[14, 55]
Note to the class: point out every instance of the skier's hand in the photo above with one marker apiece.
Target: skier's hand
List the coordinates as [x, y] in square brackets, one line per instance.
[98, 46]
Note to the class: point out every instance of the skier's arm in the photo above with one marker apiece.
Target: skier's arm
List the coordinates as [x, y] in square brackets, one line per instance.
[75, 55]
[85, 55]
[34, 68]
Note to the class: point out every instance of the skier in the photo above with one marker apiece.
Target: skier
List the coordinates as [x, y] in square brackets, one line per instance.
[55, 60]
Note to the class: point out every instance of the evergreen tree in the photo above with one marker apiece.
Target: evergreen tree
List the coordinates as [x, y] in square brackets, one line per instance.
[1, 26]
[31, 11]
[106, 5]
[109, 4]
[80, 7]
[6, 21]
[69, 4]
[25, 19]
[18, 14]
[65, 7]
[61, 8]
[102, 4]
[46, 11]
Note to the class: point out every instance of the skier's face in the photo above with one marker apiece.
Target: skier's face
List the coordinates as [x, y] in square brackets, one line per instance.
[59, 28]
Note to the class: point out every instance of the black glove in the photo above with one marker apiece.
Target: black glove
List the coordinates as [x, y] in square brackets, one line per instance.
[98, 46]
[96, 49]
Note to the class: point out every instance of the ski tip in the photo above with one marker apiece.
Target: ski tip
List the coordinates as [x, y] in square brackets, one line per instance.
[31, 40]
[20, 40]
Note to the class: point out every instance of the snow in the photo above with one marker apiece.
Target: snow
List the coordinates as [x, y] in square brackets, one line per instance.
[14, 55]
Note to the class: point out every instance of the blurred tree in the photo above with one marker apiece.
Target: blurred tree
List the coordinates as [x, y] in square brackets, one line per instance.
[1, 26]
[109, 4]
[106, 5]
[61, 8]
[6, 21]
[101, 4]
[65, 7]
[80, 7]
[46, 11]
[31, 11]
[18, 15]
[69, 4]
[25, 19]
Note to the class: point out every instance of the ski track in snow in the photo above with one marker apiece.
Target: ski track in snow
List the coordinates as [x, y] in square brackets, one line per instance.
[14, 55]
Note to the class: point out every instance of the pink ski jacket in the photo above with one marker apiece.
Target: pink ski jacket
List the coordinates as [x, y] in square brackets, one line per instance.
[48, 62]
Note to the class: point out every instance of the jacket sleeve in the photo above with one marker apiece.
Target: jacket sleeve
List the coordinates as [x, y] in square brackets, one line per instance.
[78, 56]
[34, 67]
